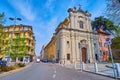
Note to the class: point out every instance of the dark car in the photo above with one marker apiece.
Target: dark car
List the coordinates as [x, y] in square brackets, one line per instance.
[44, 60]
[3, 63]
[57, 61]
[0, 61]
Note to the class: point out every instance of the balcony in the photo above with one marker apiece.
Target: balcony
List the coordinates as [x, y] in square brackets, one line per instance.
[29, 37]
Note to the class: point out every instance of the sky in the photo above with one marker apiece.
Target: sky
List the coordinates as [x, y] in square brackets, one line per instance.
[45, 15]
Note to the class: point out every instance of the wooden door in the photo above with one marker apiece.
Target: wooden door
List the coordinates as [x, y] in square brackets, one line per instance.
[84, 54]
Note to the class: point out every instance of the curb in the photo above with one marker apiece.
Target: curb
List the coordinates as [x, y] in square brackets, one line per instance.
[95, 73]
[13, 71]
[100, 74]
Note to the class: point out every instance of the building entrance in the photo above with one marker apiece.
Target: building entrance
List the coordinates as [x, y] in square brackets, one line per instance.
[84, 54]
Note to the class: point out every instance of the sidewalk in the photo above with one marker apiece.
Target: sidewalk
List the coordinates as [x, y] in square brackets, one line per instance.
[16, 70]
[102, 69]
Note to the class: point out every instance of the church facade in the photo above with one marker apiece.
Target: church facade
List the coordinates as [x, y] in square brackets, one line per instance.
[75, 39]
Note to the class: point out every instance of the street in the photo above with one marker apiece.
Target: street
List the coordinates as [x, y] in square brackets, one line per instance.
[49, 71]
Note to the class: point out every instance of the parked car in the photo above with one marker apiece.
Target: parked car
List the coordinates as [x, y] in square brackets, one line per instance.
[38, 60]
[44, 60]
[3, 63]
[0, 61]
[57, 61]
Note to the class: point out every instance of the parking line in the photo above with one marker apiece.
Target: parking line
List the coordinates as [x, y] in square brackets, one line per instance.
[54, 75]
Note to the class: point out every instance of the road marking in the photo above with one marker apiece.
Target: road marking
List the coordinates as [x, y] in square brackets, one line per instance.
[54, 75]
[55, 71]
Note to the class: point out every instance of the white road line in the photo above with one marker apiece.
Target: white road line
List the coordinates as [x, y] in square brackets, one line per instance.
[55, 71]
[54, 75]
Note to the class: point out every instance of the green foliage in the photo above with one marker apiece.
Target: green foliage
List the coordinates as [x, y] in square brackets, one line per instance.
[104, 23]
[3, 35]
[116, 43]
[3, 42]
[117, 31]
[7, 68]
[18, 48]
[21, 65]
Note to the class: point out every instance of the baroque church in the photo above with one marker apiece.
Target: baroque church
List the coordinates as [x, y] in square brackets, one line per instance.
[75, 39]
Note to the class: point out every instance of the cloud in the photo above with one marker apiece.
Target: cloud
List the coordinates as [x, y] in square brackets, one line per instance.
[51, 25]
[49, 5]
[24, 7]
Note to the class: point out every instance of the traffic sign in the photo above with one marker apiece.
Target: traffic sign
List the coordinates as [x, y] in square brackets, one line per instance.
[107, 39]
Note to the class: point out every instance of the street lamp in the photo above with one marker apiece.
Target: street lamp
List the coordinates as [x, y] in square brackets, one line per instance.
[13, 19]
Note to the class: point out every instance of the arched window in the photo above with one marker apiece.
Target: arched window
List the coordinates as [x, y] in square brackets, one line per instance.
[68, 45]
[81, 24]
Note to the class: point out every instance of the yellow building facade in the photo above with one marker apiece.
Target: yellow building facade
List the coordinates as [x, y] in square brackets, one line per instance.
[23, 31]
[50, 49]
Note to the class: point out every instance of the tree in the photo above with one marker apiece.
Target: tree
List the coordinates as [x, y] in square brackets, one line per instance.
[2, 34]
[113, 10]
[19, 48]
[117, 31]
[116, 39]
[2, 18]
[104, 23]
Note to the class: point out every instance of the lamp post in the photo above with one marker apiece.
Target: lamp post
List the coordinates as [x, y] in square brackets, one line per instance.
[13, 19]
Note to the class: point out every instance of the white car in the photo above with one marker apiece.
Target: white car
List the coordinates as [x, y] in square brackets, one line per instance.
[38, 60]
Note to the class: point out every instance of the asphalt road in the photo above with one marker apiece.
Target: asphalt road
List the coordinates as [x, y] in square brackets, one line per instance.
[49, 71]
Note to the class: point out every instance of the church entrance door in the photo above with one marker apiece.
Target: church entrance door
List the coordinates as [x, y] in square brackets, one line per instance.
[84, 54]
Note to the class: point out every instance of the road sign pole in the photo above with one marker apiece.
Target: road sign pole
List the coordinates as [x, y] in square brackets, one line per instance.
[111, 56]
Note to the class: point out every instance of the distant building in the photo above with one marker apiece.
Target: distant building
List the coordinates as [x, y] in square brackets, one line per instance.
[104, 50]
[50, 49]
[22, 31]
[75, 39]
[42, 52]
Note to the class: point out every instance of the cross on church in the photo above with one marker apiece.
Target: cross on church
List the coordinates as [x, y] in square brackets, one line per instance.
[79, 6]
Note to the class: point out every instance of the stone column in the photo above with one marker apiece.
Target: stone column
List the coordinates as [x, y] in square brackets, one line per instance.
[92, 50]
[75, 21]
[71, 20]
[72, 47]
[89, 48]
[62, 49]
[87, 54]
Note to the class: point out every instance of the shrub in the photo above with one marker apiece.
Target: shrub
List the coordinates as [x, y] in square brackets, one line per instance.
[21, 65]
[5, 69]
[12, 67]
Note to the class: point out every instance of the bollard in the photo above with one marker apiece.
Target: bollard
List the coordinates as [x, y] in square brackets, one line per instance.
[83, 66]
[75, 64]
[96, 67]
[117, 69]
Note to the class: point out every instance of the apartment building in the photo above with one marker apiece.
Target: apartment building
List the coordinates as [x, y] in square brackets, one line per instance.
[23, 32]
[104, 50]
[50, 49]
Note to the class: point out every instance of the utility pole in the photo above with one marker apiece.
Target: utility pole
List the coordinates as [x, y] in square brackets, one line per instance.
[111, 56]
